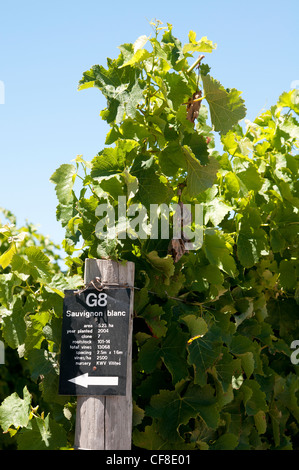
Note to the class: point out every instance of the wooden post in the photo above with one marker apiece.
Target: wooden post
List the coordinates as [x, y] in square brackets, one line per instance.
[105, 422]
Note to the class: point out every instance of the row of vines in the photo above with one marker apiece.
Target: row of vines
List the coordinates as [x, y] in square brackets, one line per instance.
[213, 326]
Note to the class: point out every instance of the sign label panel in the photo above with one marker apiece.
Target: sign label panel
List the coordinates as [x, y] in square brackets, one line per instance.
[94, 343]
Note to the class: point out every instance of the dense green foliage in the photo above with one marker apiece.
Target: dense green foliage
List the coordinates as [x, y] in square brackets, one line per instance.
[213, 326]
[31, 297]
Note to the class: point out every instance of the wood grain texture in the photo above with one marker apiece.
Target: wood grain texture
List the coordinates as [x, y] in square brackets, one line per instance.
[105, 422]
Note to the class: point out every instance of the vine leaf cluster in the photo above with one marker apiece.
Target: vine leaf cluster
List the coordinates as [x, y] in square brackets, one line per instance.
[213, 326]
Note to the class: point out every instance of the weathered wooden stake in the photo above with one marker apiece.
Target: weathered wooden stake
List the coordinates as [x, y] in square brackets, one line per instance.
[105, 422]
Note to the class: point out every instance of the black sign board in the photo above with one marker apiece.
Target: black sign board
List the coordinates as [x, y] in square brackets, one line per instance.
[94, 342]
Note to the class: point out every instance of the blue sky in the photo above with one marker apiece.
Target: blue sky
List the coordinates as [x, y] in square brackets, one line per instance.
[46, 46]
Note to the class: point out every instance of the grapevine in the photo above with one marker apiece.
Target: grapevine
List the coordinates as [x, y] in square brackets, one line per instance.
[213, 326]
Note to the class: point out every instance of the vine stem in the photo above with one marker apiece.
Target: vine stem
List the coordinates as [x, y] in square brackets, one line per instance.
[196, 63]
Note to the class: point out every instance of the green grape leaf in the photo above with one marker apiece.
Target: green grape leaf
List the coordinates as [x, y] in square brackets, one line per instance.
[6, 257]
[288, 395]
[215, 211]
[226, 108]
[152, 187]
[173, 47]
[219, 254]
[247, 361]
[227, 441]
[163, 265]
[35, 334]
[200, 177]
[133, 129]
[178, 90]
[113, 160]
[152, 315]
[252, 240]
[254, 398]
[15, 411]
[40, 261]
[34, 262]
[203, 45]
[251, 178]
[64, 178]
[173, 348]
[196, 325]
[150, 353]
[138, 414]
[288, 277]
[119, 84]
[172, 410]
[260, 422]
[203, 354]
[42, 434]
[113, 186]
[87, 209]
[171, 159]
[139, 56]
[14, 326]
[240, 345]
[226, 368]
[40, 362]
[290, 100]
[149, 438]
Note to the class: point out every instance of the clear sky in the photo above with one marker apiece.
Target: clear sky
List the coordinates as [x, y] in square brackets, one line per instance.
[45, 46]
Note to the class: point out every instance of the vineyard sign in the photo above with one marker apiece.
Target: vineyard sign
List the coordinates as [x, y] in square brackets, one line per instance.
[94, 342]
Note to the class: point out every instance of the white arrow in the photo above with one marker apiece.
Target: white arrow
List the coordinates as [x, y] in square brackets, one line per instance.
[84, 380]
